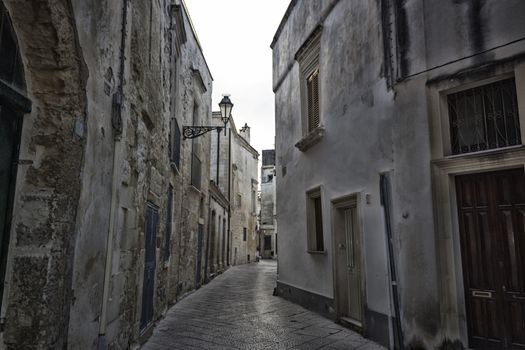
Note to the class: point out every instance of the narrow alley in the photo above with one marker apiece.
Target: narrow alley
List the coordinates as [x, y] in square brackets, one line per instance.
[237, 311]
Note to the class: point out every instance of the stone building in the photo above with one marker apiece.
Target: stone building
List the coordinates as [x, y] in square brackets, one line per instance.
[400, 168]
[268, 227]
[236, 175]
[103, 206]
[220, 192]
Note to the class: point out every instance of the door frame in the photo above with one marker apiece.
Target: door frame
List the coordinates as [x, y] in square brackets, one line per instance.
[446, 227]
[352, 200]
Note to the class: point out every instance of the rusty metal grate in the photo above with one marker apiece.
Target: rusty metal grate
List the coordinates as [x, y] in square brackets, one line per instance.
[484, 117]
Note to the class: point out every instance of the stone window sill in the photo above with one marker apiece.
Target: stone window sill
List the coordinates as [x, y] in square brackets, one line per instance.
[316, 252]
[314, 137]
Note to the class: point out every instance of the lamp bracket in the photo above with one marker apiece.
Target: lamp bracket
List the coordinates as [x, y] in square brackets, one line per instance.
[191, 132]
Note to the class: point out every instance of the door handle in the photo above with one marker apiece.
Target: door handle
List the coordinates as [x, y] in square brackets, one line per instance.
[341, 246]
[482, 294]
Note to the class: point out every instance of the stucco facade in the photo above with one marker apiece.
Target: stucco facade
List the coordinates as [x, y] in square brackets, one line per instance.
[382, 147]
[105, 82]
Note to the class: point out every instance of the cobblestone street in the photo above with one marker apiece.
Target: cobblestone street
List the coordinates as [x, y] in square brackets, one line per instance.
[237, 311]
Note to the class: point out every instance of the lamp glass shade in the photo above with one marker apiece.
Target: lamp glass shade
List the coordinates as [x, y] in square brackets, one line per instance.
[226, 108]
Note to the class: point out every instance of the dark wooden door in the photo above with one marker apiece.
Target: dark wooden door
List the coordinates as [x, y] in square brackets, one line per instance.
[198, 265]
[10, 127]
[491, 209]
[148, 287]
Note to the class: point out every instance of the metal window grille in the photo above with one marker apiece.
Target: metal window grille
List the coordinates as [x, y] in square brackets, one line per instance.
[312, 87]
[484, 117]
[196, 169]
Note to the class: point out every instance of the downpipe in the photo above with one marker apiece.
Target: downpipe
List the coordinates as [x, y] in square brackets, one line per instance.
[386, 203]
[117, 124]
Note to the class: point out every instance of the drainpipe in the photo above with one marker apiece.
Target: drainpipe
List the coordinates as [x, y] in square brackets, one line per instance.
[117, 129]
[386, 203]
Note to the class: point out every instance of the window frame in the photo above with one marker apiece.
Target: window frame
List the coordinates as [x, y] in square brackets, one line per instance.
[313, 237]
[446, 117]
[308, 58]
[440, 118]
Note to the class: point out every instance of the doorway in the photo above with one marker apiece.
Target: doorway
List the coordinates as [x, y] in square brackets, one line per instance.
[198, 263]
[349, 284]
[491, 213]
[148, 287]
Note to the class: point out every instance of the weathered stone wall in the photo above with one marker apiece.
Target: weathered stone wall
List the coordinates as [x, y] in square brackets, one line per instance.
[36, 297]
[85, 176]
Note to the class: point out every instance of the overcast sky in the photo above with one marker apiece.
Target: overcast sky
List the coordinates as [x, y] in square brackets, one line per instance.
[235, 36]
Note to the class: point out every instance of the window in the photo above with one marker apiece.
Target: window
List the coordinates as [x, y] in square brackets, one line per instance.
[239, 200]
[196, 171]
[244, 236]
[175, 143]
[308, 59]
[312, 90]
[315, 238]
[253, 202]
[485, 117]
[267, 242]
[196, 166]
[169, 218]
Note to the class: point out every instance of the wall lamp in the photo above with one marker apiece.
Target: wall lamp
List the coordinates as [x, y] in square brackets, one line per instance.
[194, 131]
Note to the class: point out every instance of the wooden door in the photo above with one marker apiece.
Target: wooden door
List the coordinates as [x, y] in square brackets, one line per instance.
[349, 284]
[491, 210]
[198, 265]
[148, 287]
[10, 127]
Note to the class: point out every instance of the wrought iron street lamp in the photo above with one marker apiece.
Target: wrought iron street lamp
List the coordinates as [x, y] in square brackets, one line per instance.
[191, 132]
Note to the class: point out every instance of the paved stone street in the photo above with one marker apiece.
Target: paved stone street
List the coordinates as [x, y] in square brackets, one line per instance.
[237, 311]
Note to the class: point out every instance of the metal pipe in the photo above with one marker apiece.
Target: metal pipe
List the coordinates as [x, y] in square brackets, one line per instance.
[115, 180]
[386, 203]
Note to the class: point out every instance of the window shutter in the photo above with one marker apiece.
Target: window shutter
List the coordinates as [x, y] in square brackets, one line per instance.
[318, 214]
[313, 100]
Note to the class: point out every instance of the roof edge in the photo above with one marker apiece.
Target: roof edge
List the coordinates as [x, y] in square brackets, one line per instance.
[283, 23]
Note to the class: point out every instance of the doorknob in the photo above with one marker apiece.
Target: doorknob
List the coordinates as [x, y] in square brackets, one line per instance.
[341, 246]
[504, 288]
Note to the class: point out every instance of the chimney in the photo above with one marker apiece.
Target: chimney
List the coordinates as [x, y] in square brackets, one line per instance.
[245, 132]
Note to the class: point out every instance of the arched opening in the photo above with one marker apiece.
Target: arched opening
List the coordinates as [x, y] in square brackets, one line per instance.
[13, 105]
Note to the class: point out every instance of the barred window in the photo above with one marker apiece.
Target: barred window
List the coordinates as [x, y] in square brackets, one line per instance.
[484, 117]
